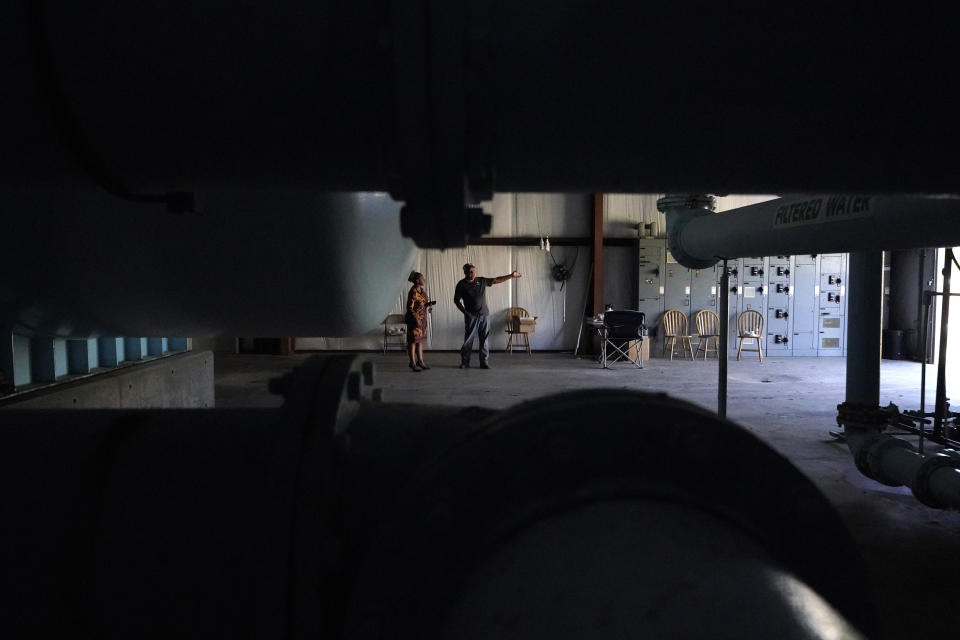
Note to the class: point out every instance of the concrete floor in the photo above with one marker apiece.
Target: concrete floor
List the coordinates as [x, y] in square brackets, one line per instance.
[790, 403]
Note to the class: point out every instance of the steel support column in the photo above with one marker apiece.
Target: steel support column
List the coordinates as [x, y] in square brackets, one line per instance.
[597, 240]
[596, 287]
[723, 353]
[864, 315]
[941, 401]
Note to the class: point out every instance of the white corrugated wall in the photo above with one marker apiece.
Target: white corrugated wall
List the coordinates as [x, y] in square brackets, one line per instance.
[558, 310]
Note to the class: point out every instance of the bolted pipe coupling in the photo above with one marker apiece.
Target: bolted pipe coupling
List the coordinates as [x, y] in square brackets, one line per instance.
[921, 484]
[867, 416]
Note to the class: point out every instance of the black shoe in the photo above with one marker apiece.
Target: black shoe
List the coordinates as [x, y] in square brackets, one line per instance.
[413, 367]
[464, 365]
[422, 366]
[484, 365]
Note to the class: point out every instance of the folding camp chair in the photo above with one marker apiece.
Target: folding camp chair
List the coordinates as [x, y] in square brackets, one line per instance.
[622, 332]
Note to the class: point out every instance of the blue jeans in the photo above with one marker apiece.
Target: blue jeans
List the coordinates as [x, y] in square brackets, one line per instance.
[474, 326]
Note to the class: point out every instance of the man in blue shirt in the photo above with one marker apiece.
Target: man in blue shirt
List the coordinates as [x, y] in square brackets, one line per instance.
[470, 298]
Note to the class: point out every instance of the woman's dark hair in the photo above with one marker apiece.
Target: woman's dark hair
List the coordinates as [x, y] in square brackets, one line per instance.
[414, 276]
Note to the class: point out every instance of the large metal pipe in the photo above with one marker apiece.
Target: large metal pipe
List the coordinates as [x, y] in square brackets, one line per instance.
[810, 224]
[308, 521]
[934, 480]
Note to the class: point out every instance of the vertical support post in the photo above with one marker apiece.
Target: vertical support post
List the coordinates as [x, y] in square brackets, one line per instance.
[941, 403]
[596, 236]
[924, 339]
[82, 356]
[723, 351]
[864, 318]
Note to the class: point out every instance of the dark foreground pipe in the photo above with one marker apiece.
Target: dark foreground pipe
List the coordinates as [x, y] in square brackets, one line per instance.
[442, 102]
[338, 516]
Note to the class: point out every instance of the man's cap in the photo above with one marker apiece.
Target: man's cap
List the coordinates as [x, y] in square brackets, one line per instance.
[468, 266]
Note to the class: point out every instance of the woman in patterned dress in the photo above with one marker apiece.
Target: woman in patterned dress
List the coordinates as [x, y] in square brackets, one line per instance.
[416, 318]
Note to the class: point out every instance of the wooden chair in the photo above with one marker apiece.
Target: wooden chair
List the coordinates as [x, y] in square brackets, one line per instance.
[675, 327]
[394, 331]
[750, 327]
[708, 327]
[520, 323]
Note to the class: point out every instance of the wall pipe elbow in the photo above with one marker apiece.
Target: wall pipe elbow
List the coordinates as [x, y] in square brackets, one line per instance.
[680, 210]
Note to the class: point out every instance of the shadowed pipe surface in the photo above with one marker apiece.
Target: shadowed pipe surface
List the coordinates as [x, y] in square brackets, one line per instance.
[790, 403]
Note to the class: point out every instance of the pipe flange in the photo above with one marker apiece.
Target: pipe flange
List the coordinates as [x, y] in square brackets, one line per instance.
[866, 415]
[686, 201]
[875, 453]
[921, 483]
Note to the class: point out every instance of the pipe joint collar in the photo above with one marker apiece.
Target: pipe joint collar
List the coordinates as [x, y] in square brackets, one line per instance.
[921, 483]
[860, 455]
[877, 451]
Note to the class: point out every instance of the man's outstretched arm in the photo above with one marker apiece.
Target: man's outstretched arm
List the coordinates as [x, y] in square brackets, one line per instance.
[498, 280]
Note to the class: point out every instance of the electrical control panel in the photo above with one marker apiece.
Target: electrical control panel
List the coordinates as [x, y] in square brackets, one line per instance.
[802, 298]
[832, 310]
[704, 288]
[779, 322]
[805, 301]
[651, 254]
[677, 283]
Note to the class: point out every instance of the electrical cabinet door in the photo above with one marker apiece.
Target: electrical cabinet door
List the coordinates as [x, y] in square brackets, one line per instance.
[676, 287]
[703, 289]
[751, 293]
[805, 308]
[779, 302]
[832, 299]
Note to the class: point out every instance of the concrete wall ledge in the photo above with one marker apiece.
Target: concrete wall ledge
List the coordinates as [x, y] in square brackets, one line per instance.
[176, 381]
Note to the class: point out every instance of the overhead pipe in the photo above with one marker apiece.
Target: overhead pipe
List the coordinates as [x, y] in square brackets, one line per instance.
[810, 224]
[861, 225]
